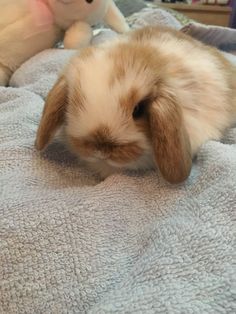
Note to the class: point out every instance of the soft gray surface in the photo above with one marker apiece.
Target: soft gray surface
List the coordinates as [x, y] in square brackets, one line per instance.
[213, 35]
[130, 7]
[129, 244]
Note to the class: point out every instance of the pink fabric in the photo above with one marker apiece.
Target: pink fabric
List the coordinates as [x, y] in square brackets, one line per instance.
[42, 14]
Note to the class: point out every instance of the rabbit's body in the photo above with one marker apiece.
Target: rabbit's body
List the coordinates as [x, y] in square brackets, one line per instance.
[150, 98]
[203, 81]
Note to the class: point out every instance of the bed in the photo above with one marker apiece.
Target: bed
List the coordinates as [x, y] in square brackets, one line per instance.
[70, 243]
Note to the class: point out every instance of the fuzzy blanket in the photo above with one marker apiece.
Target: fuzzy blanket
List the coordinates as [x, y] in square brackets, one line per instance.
[129, 244]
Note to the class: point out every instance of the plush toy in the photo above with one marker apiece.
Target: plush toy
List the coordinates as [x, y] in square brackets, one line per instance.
[30, 26]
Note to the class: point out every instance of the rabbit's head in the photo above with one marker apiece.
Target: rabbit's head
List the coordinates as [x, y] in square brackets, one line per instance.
[116, 106]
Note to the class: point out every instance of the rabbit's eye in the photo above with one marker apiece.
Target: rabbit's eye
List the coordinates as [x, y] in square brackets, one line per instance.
[89, 1]
[139, 109]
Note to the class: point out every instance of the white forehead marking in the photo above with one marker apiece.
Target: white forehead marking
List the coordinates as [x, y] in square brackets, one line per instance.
[102, 105]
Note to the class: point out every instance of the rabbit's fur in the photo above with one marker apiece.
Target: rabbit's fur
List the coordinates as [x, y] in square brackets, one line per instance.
[148, 99]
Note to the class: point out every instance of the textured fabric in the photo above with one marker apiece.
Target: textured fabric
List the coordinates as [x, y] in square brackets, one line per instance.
[222, 37]
[130, 7]
[182, 18]
[129, 244]
[153, 16]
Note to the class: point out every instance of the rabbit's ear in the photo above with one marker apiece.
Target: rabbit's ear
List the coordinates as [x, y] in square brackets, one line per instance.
[170, 141]
[53, 114]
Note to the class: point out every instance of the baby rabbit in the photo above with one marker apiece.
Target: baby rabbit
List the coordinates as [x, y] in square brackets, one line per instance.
[148, 99]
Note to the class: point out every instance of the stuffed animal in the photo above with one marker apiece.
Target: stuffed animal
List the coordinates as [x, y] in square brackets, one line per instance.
[30, 26]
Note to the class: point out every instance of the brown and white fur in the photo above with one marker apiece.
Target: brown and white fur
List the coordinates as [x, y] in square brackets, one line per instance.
[149, 99]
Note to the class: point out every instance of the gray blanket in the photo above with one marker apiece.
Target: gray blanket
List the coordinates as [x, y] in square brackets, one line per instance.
[129, 244]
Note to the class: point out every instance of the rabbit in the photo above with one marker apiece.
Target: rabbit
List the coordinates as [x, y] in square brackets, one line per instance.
[147, 100]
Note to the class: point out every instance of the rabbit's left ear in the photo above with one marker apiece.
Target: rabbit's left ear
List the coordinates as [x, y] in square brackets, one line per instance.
[170, 141]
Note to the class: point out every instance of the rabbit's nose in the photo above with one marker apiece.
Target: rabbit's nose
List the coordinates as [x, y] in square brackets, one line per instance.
[99, 155]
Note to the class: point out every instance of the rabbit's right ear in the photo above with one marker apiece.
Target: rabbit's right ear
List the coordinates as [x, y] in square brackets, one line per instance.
[170, 141]
[53, 113]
